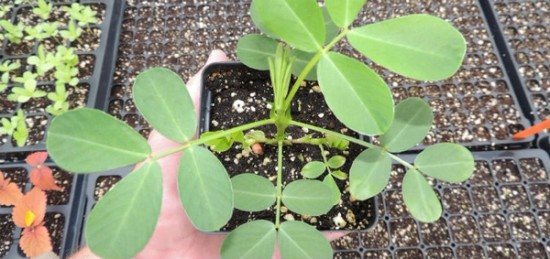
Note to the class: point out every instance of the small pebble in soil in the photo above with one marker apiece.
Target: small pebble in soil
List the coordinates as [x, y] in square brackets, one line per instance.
[238, 105]
[339, 221]
[289, 217]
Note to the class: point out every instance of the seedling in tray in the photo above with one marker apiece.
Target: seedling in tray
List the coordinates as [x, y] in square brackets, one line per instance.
[298, 38]
[26, 83]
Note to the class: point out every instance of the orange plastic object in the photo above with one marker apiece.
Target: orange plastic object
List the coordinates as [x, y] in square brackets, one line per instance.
[532, 130]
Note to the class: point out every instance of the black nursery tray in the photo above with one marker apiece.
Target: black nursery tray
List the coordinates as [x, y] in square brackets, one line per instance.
[62, 213]
[502, 211]
[525, 29]
[477, 107]
[99, 55]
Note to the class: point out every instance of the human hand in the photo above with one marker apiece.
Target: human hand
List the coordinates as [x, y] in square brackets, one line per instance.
[175, 236]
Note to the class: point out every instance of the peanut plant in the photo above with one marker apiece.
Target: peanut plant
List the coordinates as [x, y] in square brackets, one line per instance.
[298, 38]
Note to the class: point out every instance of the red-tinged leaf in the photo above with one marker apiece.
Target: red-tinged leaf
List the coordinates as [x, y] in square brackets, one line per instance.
[10, 193]
[35, 241]
[33, 201]
[42, 177]
[37, 158]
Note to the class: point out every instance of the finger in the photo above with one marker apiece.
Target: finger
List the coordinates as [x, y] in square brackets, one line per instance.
[194, 83]
[333, 235]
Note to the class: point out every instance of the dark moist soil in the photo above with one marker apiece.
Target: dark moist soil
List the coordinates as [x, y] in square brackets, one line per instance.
[55, 222]
[240, 96]
[64, 180]
[6, 233]
[103, 184]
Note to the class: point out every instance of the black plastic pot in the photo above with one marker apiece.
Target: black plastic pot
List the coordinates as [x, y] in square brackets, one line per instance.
[500, 212]
[67, 214]
[237, 78]
[97, 82]
[522, 29]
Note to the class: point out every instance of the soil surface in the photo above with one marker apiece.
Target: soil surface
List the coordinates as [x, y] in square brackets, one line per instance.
[239, 95]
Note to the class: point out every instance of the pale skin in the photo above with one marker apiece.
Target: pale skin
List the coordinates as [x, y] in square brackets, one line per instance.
[175, 236]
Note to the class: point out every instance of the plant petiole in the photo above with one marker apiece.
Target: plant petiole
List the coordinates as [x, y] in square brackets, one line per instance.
[279, 194]
[211, 137]
[350, 139]
[310, 66]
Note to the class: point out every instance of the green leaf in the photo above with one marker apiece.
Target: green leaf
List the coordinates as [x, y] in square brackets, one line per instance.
[258, 20]
[86, 140]
[205, 189]
[162, 97]
[340, 175]
[336, 194]
[336, 162]
[331, 28]
[124, 220]
[220, 144]
[300, 240]
[301, 58]
[252, 240]
[446, 161]
[344, 12]
[419, 46]
[299, 23]
[252, 192]
[369, 173]
[357, 95]
[412, 121]
[309, 197]
[254, 50]
[420, 198]
[313, 169]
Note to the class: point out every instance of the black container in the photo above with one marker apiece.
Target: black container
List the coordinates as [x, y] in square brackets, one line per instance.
[523, 27]
[103, 57]
[243, 80]
[68, 213]
[500, 212]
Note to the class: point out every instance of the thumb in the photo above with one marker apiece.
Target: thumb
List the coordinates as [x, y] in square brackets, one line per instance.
[194, 83]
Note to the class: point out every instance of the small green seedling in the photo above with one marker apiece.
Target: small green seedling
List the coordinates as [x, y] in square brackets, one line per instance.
[59, 99]
[66, 75]
[65, 57]
[85, 15]
[28, 90]
[43, 9]
[21, 132]
[14, 33]
[6, 68]
[50, 29]
[15, 127]
[297, 39]
[4, 9]
[43, 61]
[72, 32]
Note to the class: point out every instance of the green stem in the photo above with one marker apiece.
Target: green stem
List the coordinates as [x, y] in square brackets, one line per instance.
[310, 66]
[350, 139]
[212, 137]
[279, 183]
[325, 158]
